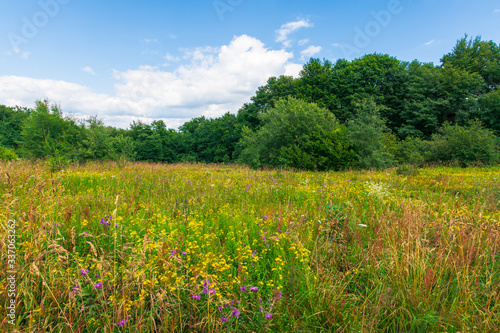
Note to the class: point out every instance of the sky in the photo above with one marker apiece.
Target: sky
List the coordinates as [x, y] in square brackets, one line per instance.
[174, 60]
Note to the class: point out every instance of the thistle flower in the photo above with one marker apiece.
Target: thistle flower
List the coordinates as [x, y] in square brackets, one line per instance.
[254, 288]
[268, 315]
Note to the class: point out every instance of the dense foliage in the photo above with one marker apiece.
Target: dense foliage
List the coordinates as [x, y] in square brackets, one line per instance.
[372, 112]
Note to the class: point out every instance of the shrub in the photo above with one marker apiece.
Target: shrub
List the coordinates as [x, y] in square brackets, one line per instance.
[465, 145]
[297, 134]
[7, 154]
[412, 150]
[369, 136]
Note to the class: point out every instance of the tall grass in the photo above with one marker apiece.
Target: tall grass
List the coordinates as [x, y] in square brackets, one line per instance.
[199, 248]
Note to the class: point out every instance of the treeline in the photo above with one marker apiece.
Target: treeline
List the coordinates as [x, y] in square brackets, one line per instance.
[372, 112]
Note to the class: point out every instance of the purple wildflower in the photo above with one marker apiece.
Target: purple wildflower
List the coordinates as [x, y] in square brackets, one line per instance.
[223, 319]
[122, 322]
[105, 221]
[236, 312]
[244, 288]
[84, 272]
[74, 291]
[268, 316]
[196, 297]
[184, 253]
[254, 289]
[98, 285]
[172, 253]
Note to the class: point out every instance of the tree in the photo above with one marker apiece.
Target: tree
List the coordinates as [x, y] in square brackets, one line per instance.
[147, 141]
[265, 98]
[297, 134]
[316, 84]
[488, 110]
[436, 95]
[47, 133]
[96, 144]
[377, 75]
[476, 56]
[11, 122]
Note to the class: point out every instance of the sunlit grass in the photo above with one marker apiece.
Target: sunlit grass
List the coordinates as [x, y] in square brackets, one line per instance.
[185, 248]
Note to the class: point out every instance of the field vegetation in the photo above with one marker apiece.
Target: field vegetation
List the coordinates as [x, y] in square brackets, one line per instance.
[146, 247]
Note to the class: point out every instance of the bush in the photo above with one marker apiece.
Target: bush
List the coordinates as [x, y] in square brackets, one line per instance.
[465, 145]
[7, 154]
[297, 134]
[412, 150]
[369, 136]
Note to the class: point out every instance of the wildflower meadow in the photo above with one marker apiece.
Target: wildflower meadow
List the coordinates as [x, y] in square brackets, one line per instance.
[146, 247]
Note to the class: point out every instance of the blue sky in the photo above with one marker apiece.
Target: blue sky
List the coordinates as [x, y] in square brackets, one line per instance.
[175, 60]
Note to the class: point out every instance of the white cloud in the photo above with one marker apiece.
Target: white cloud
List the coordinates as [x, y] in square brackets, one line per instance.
[23, 55]
[170, 57]
[150, 40]
[287, 28]
[89, 70]
[303, 42]
[496, 11]
[310, 51]
[429, 43]
[215, 81]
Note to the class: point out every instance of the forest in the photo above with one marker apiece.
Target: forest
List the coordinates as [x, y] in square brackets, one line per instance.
[372, 112]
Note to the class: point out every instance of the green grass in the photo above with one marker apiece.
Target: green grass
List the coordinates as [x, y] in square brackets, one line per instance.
[381, 251]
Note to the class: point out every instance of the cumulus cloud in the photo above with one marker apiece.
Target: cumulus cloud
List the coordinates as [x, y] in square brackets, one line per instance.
[213, 82]
[89, 70]
[310, 51]
[287, 28]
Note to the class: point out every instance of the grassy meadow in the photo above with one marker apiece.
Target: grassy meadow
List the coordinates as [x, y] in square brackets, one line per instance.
[214, 248]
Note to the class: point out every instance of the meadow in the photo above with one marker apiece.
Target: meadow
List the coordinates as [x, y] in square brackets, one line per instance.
[223, 248]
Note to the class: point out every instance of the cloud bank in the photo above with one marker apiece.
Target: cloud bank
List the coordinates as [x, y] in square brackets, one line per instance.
[213, 82]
